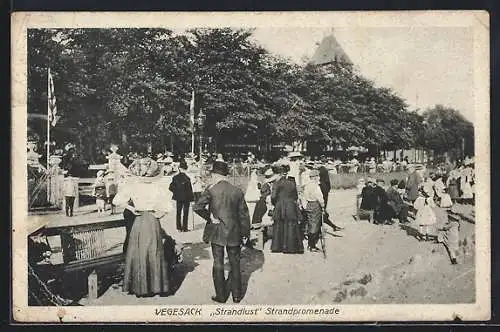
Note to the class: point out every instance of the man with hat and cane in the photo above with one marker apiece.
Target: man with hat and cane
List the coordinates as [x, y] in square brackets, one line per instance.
[314, 205]
[224, 208]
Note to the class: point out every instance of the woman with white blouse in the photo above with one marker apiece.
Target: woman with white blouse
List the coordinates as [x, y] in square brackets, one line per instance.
[146, 269]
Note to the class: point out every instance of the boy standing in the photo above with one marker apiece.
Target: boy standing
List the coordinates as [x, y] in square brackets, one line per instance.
[70, 192]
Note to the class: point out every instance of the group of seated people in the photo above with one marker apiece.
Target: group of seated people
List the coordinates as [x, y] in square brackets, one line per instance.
[379, 205]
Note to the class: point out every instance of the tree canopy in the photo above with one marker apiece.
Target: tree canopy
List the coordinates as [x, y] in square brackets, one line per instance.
[132, 87]
[446, 130]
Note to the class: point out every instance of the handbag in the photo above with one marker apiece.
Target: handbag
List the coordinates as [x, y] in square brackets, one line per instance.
[208, 232]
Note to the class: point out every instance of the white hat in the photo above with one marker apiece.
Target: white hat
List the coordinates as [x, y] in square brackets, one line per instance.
[268, 173]
[168, 160]
[294, 154]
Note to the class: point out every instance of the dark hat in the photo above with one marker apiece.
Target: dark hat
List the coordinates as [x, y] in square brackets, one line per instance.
[220, 167]
[394, 182]
[183, 165]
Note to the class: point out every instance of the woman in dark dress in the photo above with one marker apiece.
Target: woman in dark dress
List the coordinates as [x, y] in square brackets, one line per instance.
[287, 237]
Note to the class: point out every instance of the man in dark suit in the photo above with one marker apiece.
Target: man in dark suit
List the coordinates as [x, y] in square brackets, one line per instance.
[325, 186]
[399, 209]
[183, 194]
[369, 200]
[226, 203]
[382, 210]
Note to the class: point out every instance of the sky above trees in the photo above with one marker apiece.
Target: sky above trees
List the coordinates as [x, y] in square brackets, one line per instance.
[425, 66]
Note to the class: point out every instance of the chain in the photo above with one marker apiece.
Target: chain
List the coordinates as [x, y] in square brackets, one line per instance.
[53, 298]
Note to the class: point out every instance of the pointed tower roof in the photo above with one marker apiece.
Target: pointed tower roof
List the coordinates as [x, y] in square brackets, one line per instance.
[329, 51]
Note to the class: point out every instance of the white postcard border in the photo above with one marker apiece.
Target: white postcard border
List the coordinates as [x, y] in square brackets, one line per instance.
[478, 20]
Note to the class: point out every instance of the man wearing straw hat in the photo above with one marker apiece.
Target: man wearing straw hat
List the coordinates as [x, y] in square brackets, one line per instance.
[313, 204]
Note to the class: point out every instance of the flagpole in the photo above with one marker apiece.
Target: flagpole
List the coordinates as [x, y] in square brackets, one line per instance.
[192, 142]
[191, 109]
[48, 134]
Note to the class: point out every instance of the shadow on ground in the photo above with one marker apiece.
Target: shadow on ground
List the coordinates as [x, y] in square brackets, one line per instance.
[192, 252]
[251, 260]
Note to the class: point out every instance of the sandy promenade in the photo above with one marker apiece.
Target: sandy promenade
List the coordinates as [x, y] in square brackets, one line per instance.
[365, 263]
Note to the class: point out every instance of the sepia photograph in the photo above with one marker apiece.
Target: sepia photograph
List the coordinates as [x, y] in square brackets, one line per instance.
[251, 167]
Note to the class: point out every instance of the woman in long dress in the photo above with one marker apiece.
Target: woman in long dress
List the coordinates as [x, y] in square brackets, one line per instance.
[287, 237]
[147, 272]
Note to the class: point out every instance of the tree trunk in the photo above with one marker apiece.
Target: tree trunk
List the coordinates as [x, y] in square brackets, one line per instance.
[124, 139]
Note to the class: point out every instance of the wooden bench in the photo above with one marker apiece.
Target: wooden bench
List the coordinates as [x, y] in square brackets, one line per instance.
[82, 246]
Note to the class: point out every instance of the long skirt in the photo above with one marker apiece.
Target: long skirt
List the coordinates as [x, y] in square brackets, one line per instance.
[453, 191]
[146, 269]
[313, 211]
[287, 237]
[260, 211]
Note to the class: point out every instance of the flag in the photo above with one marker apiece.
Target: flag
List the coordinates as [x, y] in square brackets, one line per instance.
[51, 102]
[191, 112]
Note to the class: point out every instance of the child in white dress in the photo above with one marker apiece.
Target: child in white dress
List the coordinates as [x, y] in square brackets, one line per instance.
[425, 217]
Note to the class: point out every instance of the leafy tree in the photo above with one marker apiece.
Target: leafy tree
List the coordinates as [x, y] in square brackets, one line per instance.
[446, 130]
[132, 87]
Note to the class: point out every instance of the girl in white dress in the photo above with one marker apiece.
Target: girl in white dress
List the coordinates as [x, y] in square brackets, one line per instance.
[425, 217]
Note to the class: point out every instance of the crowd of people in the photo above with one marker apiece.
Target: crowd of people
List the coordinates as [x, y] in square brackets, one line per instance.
[428, 196]
[292, 198]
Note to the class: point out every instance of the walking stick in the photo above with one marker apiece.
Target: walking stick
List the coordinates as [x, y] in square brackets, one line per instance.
[322, 237]
[192, 213]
